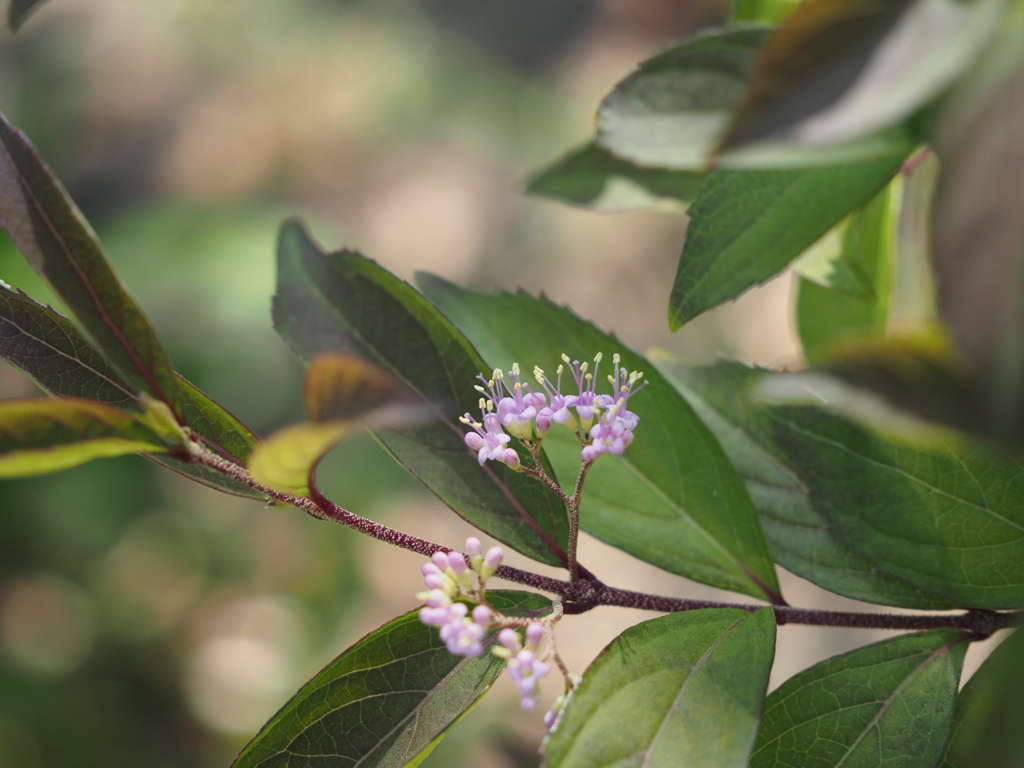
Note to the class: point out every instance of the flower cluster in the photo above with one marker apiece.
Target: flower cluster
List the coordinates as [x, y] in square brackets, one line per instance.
[448, 579]
[524, 666]
[509, 408]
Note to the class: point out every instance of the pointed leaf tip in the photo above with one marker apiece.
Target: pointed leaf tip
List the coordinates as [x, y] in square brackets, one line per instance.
[54, 237]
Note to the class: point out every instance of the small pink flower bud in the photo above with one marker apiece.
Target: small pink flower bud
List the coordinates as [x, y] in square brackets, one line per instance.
[434, 617]
[435, 581]
[590, 453]
[510, 639]
[474, 441]
[457, 563]
[440, 559]
[473, 546]
[550, 717]
[460, 610]
[525, 658]
[534, 633]
[494, 557]
[429, 568]
[510, 458]
[482, 615]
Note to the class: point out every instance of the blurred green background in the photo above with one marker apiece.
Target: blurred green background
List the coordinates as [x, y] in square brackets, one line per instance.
[148, 621]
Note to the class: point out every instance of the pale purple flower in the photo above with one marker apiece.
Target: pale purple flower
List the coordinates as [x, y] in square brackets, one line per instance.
[614, 429]
[487, 439]
[557, 410]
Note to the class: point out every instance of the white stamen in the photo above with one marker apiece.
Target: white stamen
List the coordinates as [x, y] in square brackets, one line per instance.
[583, 368]
[565, 357]
[598, 356]
[560, 368]
[616, 358]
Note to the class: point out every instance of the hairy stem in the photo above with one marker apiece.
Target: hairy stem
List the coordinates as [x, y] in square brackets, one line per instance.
[579, 596]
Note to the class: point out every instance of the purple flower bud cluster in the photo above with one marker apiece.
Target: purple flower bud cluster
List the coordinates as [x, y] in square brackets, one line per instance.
[448, 578]
[510, 408]
[524, 667]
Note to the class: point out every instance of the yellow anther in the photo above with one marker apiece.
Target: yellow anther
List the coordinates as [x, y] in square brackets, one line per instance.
[482, 403]
[560, 368]
[497, 375]
[477, 425]
[517, 386]
[611, 380]
[515, 368]
[584, 367]
[538, 371]
[598, 357]
[491, 383]
[565, 357]
[589, 376]
[490, 405]
[463, 419]
[478, 388]
[616, 358]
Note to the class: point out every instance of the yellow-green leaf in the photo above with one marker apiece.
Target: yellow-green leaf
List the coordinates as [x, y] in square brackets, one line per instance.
[41, 435]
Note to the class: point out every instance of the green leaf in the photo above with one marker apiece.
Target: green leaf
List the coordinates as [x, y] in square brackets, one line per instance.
[285, 460]
[797, 533]
[593, 177]
[761, 11]
[746, 226]
[672, 499]
[345, 302]
[50, 231]
[926, 506]
[887, 704]
[827, 318]
[839, 70]
[18, 11]
[53, 352]
[986, 723]
[384, 700]
[671, 112]
[44, 435]
[683, 689]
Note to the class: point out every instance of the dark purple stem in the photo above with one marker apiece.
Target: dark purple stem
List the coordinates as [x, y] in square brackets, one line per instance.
[589, 593]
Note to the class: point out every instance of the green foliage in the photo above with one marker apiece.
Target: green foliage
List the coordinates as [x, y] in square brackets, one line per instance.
[789, 146]
[930, 508]
[39, 436]
[593, 177]
[798, 533]
[886, 704]
[343, 301]
[731, 248]
[673, 499]
[52, 234]
[390, 695]
[684, 689]
[841, 69]
[671, 111]
[985, 723]
[828, 316]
